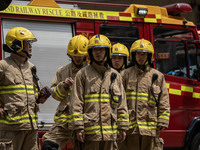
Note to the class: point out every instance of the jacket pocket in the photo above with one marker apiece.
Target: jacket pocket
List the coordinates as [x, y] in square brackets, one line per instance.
[152, 115]
[115, 96]
[13, 109]
[90, 119]
[131, 86]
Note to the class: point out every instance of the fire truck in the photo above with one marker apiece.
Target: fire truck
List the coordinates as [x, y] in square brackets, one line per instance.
[175, 39]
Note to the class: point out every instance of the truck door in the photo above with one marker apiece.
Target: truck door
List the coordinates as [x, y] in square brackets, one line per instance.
[177, 57]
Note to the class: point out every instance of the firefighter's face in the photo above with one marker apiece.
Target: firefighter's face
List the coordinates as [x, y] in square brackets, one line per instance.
[99, 53]
[27, 48]
[78, 60]
[141, 57]
[117, 61]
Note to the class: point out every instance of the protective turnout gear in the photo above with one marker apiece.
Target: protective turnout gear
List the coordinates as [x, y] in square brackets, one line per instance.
[99, 41]
[142, 45]
[18, 87]
[60, 133]
[18, 98]
[15, 39]
[93, 110]
[141, 101]
[120, 50]
[78, 46]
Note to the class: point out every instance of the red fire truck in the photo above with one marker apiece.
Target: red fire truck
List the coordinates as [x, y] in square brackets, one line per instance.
[176, 42]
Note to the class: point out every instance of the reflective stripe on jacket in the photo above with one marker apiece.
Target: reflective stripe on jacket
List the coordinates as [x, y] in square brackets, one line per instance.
[61, 94]
[146, 112]
[94, 109]
[18, 93]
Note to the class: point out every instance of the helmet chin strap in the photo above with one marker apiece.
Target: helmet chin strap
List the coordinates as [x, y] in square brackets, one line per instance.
[100, 62]
[78, 66]
[27, 54]
[142, 66]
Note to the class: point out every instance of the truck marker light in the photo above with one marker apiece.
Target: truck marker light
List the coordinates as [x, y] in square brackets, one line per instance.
[142, 11]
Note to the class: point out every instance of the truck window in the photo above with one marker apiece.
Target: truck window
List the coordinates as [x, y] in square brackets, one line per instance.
[193, 59]
[170, 58]
[167, 33]
[123, 34]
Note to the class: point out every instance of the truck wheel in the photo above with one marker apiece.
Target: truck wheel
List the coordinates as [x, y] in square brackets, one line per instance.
[195, 144]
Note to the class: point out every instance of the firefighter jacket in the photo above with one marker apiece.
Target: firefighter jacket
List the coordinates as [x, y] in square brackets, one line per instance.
[98, 103]
[62, 94]
[18, 93]
[146, 112]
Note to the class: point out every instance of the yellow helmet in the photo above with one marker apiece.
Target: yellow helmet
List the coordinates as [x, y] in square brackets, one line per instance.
[16, 36]
[120, 50]
[99, 40]
[142, 45]
[78, 46]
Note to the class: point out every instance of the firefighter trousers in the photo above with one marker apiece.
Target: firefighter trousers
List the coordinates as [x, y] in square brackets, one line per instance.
[139, 142]
[19, 140]
[58, 135]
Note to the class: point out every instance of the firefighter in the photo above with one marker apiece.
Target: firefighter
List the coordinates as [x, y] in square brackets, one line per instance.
[119, 57]
[147, 100]
[59, 134]
[18, 93]
[98, 101]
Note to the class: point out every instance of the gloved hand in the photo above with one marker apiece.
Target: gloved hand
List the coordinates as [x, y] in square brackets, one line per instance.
[2, 112]
[161, 128]
[80, 135]
[122, 136]
[68, 82]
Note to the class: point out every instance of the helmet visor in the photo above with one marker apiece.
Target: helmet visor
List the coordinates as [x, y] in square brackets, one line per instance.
[142, 50]
[30, 40]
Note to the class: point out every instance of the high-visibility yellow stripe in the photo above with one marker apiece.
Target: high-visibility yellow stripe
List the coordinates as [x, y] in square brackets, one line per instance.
[196, 95]
[139, 96]
[113, 14]
[167, 84]
[63, 118]
[152, 20]
[186, 89]
[164, 115]
[19, 119]
[144, 125]
[174, 91]
[76, 117]
[59, 94]
[100, 98]
[158, 16]
[16, 89]
[99, 129]
[125, 18]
